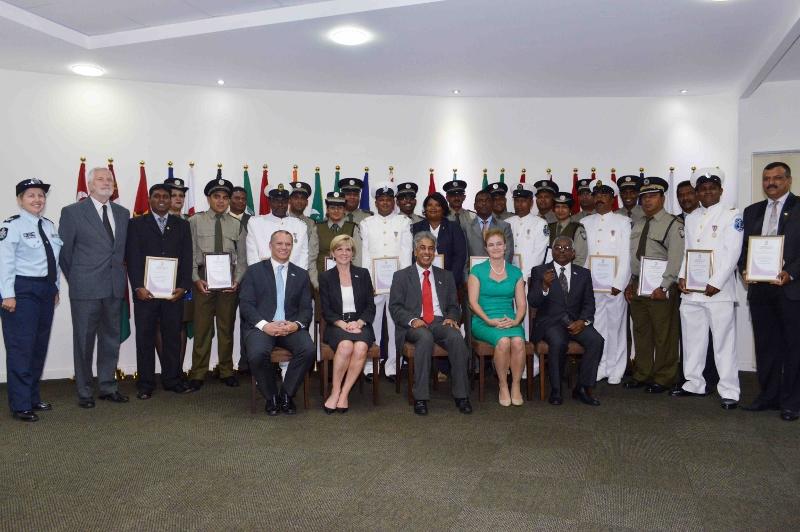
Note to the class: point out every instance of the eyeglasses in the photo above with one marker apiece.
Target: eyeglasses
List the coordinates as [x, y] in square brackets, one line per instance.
[562, 248]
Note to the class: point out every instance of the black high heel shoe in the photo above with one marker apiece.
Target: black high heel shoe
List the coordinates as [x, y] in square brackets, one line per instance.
[329, 411]
[342, 410]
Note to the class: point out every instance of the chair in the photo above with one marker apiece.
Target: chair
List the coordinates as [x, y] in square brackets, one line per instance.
[278, 355]
[483, 350]
[326, 355]
[408, 352]
[574, 353]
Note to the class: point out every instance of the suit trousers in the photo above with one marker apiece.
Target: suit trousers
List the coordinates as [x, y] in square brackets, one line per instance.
[26, 333]
[167, 316]
[259, 348]
[776, 332]
[656, 336]
[611, 320]
[381, 306]
[95, 320]
[450, 340]
[207, 307]
[557, 338]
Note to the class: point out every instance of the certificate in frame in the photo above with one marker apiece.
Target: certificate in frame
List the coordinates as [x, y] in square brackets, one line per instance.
[699, 269]
[383, 270]
[474, 260]
[516, 260]
[329, 263]
[764, 258]
[438, 260]
[604, 271]
[160, 274]
[651, 273]
[218, 271]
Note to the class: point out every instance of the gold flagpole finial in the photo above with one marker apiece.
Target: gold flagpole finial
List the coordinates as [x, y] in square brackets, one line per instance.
[245, 166]
[191, 164]
[430, 170]
[694, 168]
[613, 170]
[594, 169]
[169, 163]
[141, 163]
[671, 168]
[485, 170]
[575, 170]
[523, 170]
[110, 160]
[294, 167]
[83, 159]
[641, 168]
[316, 168]
[502, 170]
[548, 170]
[366, 168]
[391, 168]
[219, 165]
[264, 166]
[338, 167]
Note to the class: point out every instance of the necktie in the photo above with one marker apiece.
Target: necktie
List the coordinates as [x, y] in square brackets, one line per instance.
[335, 228]
[484, 226]
[107, 223]
[458, 217]
[772, 225]
[643, 239]
[51, 258]
[162, 223]
[218, 234]
[279, 311]
[562, 280]
[427, 298]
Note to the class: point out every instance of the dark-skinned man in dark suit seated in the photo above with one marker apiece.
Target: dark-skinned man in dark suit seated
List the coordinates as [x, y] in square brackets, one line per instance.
[561, 293]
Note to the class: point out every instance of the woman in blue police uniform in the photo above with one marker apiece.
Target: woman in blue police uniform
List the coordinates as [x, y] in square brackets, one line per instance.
[29, 277]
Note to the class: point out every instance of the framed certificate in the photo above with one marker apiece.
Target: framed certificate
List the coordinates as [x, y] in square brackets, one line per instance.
[329, 263]
[438, 261]
[159, 276]
[548, 255]
[474, 260]
[382, 273]
[604, 271]
[651, 275]
[516, 260]
[218, 271]
[699, 269]
[764, 258]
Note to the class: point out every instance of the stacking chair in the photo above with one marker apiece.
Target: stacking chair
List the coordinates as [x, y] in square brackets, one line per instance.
[408, 352]
[326, 355]
[541, 349]
[278, 355]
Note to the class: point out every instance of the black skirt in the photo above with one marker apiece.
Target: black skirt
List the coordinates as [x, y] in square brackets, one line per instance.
[334, 335]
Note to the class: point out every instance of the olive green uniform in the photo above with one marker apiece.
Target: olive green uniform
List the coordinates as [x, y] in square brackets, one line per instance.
[550, 217]
[313, 244]
[325, 233]
[634, 214]
[219, 305]
[581, 215]
[577, 233]
[656, 332]
[357, 216]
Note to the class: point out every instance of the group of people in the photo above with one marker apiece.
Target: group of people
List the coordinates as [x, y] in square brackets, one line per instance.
[438, 279]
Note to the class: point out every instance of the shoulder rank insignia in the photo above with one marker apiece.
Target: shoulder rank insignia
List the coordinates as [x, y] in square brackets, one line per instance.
[3, 233]
[11, 218]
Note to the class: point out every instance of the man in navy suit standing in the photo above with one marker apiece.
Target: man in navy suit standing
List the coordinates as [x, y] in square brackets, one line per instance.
[561, 293]
[775, 306]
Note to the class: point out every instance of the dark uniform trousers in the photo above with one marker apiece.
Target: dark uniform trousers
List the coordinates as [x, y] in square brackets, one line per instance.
[656, 333]
[221, 305]
[451, 340]
[27, 333]
[259, 348]
[558, 338]
[167, 316]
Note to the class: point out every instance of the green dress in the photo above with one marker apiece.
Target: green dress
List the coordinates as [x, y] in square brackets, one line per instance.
[496, 298]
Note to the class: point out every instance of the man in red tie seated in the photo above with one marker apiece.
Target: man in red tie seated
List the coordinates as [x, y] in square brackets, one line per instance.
[424, 306]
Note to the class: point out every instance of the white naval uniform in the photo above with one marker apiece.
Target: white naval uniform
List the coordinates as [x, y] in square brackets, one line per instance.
[719, 229]
[385, 236]
[610, 234]
[260, 229]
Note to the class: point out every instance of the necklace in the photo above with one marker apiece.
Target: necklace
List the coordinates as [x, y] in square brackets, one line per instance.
[502, 270]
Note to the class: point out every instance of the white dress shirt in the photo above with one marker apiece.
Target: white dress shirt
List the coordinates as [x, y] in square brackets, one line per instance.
[437, 310]
[99, 208]
[567, 273]
[779, 208]
[610, 234]
[260, 229]
[531, 240]
[385, 236]
[348, 300]
[275, 264]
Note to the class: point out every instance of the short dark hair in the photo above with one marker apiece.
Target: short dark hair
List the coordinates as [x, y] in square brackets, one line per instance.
[438, 198]
[483, 192]
[682, 184]
[779, 164]
[238, 189]
[160, 186]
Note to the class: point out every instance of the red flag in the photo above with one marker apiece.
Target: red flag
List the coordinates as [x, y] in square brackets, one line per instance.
[391, 174]
[294, 174]
[576, 205]
[522, 177]
[263, 203]
[614, 179]
[142, 205]
[431, 184]
[83, 191]
[114, 195]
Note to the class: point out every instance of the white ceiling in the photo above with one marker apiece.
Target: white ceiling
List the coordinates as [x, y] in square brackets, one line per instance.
[422, 47]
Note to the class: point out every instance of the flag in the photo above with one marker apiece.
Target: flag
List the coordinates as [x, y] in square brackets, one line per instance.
[455, 174]
[142, 204]
[431, 182]
[364, 204]
[576, 205]
[294, 174]
[316, 204]
[83, 191]
[641, 172]
[391, 174]
[170, 173]
[522, 177]
[485, 182]
[614, 179]
[502, 175]
[671, 192]
[250, 209]
[188, 202]
[263, 199]
[115, 194]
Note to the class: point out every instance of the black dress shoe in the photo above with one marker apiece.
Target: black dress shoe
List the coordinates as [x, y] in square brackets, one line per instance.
[421, 408]
[39, 407]
[86, 403]
[195, 384]
[368, 378]
[655, 388]
[329, 411]
[680, 392]
[272, 408]
[231, 382]
[243, 371]
[789, 415]
[180, 388]
[584, 395]
[759, 406]
[114, 397]
[287, 404]
[633, 384]
[729, 404]
[342, 410]
[144, 395]
[555, 399]
[25, 415]
[464, 406]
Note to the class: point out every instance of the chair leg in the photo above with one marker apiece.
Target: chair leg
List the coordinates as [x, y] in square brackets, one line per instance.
[397, 377]
[481, 378]
[529, 372]
[252, 394]
[324, 386]
[435, 373]
[542, 375]
[306, 386]
[410, 381]
[375, 384]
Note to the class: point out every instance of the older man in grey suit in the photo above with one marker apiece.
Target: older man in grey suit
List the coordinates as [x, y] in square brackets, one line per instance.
[475, 229]
[92, 259]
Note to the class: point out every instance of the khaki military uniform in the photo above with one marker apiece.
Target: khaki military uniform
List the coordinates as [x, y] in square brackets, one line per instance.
[577, 233]
[656, 331]
[550, 217]
[464, 218]
[580, 216]
[357, 216]
[325, 234]
[635, 214]
[313, 244]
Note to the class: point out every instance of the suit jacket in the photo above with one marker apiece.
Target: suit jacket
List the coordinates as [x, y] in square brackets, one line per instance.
[474, 235]
[145, 239]
[405, 298]
[330, 293]
[553, 308]
[258, 297]
[452, 243]
[93, 264]
[789, 226]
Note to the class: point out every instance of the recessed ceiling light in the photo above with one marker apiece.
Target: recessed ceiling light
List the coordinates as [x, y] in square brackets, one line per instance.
[87, 70]
[684, 91]
[456, 92]
[349, 36]
[220, 82]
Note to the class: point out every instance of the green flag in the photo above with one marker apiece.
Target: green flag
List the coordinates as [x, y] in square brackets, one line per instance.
[485, 182]
[502, 175]
[251, 210]
[336, 179]
[316, 205]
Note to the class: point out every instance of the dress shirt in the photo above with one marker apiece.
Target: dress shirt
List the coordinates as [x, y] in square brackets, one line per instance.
[348, 300]
[437, 310]
[567, 273]
[781, 201]
[435, 232]
[99, 208]
[22, 251]
[237, 216]
[275, 264]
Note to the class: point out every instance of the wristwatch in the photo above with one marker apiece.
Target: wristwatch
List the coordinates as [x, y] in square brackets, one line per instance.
[663, 289]
[586, 323]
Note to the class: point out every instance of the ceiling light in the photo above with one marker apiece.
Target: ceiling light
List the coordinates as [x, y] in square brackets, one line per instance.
[684, 91]
[87, 70]
[456, 92]
[220, 82]
[349, 36]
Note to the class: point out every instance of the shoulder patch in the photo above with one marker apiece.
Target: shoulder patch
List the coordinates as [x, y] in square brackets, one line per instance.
[546, 230]
[3, 233]
[681, 232]
[11, 218]
[738, 224]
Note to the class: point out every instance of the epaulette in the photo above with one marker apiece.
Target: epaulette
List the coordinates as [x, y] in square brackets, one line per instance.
[11, 218]
[48, 219]
[368, 212]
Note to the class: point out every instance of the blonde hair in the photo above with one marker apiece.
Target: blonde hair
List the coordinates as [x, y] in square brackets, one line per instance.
[341, 241]
[494, 232]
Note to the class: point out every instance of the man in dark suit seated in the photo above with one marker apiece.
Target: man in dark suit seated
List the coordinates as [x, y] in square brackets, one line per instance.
[424, 306]
[275, 305]
[564, 312]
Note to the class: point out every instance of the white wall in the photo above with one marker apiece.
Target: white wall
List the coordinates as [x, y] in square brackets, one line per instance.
[48, 122]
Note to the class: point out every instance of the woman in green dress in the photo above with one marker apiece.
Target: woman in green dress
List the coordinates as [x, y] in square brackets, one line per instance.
[497, 299]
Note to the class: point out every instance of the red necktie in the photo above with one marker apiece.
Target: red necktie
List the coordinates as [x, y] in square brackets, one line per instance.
[427, 298]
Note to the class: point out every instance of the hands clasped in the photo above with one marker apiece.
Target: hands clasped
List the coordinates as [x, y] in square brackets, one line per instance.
[280, 328]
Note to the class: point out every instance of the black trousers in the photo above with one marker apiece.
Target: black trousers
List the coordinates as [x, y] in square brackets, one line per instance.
[451, 340]
[259, 347]
[167, 316]
[558, 338]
